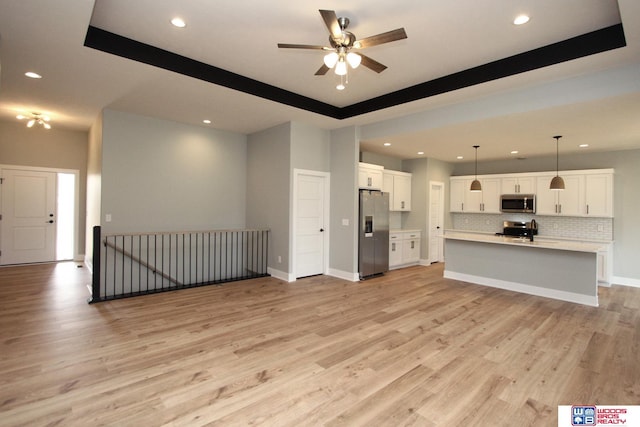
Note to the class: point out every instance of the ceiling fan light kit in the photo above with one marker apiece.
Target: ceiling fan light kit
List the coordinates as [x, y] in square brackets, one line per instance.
[35, 118]
[342, 41]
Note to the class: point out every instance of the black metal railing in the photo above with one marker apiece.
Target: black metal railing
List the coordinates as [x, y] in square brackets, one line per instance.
[132, 264]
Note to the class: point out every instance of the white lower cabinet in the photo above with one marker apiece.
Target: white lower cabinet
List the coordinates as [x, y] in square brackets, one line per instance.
[605, 265]
[404, 248]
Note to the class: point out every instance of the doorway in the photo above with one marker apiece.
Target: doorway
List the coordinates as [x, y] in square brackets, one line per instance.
[310, 223]
[39, 215]
[436, 221]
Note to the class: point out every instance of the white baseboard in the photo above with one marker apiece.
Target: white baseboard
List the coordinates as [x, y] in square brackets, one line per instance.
[526, 289]
[281, 275]
[625, 281]
[352, 277]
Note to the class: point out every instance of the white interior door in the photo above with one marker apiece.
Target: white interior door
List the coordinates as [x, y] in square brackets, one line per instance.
[310, 229]
[28, 228]
[436, 222]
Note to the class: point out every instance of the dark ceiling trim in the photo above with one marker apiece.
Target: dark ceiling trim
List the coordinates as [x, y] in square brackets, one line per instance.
[127, 48]
[577, 47]
[584, 45]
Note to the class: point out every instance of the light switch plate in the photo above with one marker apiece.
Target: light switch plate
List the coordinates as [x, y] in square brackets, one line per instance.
[345, 221]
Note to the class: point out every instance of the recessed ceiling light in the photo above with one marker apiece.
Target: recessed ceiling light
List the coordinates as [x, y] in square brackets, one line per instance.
[387, 144]
[206, 121]
[583, 145]
[340, 86]
[521, 19]
[460, 157]
[178, 22]
[32, 75]
[421, 152]
[514, 152]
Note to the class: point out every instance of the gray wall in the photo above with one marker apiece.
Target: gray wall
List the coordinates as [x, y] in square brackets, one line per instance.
[159, 175]
[268, 183]
[53, 148]
[626, 229]
[310, 147]
[388, 162]
[344, 200]
[94, 185]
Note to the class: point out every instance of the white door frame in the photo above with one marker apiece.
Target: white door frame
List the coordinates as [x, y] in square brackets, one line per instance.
[294, 219]
[441, 214]
[76, 196]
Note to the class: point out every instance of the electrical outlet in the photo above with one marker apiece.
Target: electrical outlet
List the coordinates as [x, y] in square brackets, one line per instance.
[487, 222]
[345, 221]
[107, 218]
[600, 228]
[555, 225]
[279, 259]
[466, 220]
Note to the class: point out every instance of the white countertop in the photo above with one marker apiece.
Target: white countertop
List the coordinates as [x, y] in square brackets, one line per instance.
[403, 230]
[539, 242]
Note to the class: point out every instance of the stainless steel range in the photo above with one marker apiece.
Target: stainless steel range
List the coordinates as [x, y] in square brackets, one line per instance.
[519, 228]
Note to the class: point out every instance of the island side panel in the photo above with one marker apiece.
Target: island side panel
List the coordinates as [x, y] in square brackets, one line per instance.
[508, 266]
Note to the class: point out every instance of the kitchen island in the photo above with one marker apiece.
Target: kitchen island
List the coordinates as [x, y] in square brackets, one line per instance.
[558, 269]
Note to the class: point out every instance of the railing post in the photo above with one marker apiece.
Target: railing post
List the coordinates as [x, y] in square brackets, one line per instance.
[95, 277]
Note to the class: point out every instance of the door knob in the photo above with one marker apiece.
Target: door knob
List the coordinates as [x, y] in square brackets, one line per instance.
[321, 230]
[50, 221]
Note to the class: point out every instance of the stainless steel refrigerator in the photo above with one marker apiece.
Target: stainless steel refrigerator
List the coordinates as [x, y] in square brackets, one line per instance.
[373, 236]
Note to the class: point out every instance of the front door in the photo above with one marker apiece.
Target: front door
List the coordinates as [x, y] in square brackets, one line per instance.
[310, 225]
[27, 232]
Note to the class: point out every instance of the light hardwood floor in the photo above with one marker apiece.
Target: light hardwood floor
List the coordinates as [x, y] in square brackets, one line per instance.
[409, 348]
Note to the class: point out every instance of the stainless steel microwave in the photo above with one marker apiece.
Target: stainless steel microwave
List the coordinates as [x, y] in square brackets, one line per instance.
[518, 203]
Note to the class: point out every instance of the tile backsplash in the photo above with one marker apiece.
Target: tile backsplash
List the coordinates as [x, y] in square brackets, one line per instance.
[548, 226]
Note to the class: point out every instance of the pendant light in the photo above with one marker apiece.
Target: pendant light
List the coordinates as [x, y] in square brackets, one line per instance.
[475, 185]
[557, 183]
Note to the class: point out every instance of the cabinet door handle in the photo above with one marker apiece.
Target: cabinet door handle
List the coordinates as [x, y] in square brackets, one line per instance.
[412, 244]
[393, 246]
[587, 209]
[369, 181]
[559, 208]
[462, 207]
[402, 205]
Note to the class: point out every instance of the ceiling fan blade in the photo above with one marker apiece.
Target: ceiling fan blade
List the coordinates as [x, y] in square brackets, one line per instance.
[372, 64]
[322, 70]
[301, 46]
[389, 36]
[331, 21]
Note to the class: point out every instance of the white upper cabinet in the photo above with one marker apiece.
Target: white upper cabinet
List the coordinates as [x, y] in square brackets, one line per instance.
[586, 193]
[567, 202]
[370, 176]
[398, 185]
[462, 199]
[518, 185]
[599, 195]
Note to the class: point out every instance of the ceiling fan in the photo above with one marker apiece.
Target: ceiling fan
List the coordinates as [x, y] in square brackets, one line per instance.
[343, 41]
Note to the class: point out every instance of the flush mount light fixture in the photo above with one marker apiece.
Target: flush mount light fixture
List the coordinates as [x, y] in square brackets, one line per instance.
[514, 152]
[583, 145]
[35, 118]
[420, 153]
[460, 157]
[475, 184]
[178, 22]
[206, 121]
[557, 183]
[521, 19]
[32, 75]
[387, 144]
